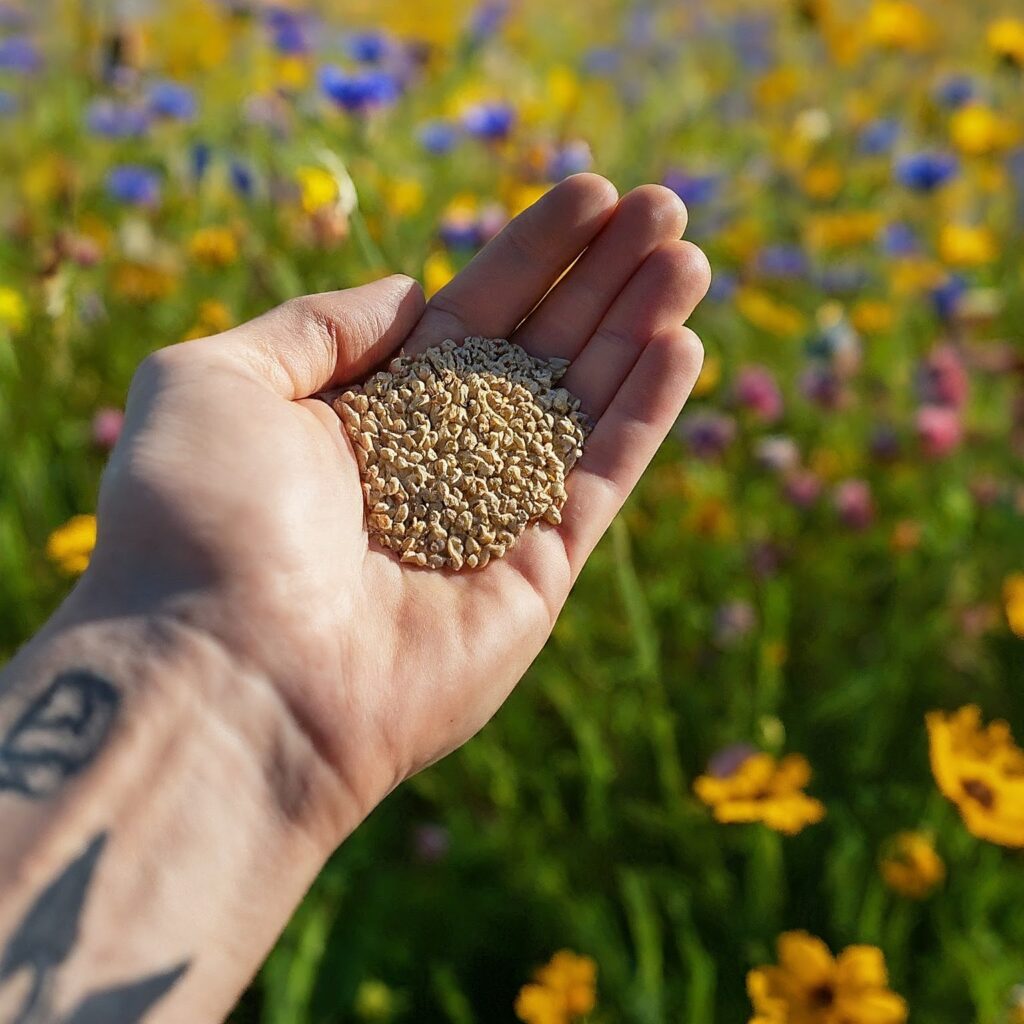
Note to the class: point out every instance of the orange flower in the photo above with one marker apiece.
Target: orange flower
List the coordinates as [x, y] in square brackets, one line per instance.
[910, 866]
[981, 770]
[810, 986]
[762, 789]
[565, 990]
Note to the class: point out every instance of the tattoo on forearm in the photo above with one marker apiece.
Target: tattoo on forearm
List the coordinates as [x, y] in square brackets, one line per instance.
[58, 734]
[46, 938]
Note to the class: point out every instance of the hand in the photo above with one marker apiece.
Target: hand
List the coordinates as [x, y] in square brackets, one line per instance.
[232, 501]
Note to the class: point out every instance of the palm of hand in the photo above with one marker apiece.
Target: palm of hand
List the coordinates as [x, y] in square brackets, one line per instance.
[243, 492]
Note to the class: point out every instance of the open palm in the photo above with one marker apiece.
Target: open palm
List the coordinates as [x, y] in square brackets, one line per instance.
[232, 503]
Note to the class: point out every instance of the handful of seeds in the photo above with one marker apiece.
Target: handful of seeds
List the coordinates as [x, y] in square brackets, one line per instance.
[461, 447]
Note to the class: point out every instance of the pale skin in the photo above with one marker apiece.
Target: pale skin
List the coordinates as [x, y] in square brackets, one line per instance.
[254, 675]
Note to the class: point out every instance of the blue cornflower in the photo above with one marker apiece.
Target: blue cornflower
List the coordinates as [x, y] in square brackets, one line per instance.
[899, 239]
[602, 60]
[19, 53]
[955, 90]
[571, 158]
[113, 120]
[693, 189]
[946, 296]
[438, 137]
[926, 171]
[369, 47]
[8, 103]
[782, 261]
[172, 100]
[879, 136]
[752, 38]
[133, 184]
[460, 233]
[289, 33]
[358, 93]
[199, 156]
[487, 19]
[723, 286]
[489, 120]
[242, 178]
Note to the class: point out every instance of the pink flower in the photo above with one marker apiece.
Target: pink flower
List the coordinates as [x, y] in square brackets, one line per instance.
[755, 389]
[942, 379]
[854, 503]
[939, 430]
[106, 427]
[803, 488]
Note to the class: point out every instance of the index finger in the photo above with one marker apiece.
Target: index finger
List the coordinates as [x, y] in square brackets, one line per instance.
[513, 272]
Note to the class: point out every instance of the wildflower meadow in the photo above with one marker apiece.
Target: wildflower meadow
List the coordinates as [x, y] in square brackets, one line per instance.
[767, 768]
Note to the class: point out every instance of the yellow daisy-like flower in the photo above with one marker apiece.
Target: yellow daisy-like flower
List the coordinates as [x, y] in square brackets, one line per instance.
[319, 188]
[213, 317]
[763, 789]
[70, 546]
[976, 130]
[898, 25]
[981, 770]
[810, 986]
[822, 181]
[910, 865]
[404, 196]
[142, 282]
[13, 311]
[963, 245]
[872, 316]
[214, 247]
[438, 270]
[710, 377]
[768, 313]
[843, 229]
[1013, 601]
[1005, 39]
[565, 989]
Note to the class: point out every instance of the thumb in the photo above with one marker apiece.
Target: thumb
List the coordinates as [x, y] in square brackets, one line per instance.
[315, 342]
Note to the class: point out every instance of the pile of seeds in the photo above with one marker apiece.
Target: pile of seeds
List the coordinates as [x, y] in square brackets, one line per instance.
[461, 447]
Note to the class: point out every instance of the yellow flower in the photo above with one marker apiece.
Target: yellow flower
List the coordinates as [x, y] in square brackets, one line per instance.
[141, 282]
[914, 275]
[214, 247]
[1006, 39]
[777, 87]
[810, 986]
[910, 866]
[897, 25]
[822, 181]
[962, 245]
[710, 376]
[565, 989]
[292, 73]
[1013, 600]
[190, 36]
[766, 790]
[319, 188]
[374, 1001]
[212, 318]
[13, 311]
[981, 770]
[437, 272]
[768, 313]
[404, 196]
[842, 229]
[563, 89]
[70, 545]
[521, 196]
[976, 130]
[872, 316]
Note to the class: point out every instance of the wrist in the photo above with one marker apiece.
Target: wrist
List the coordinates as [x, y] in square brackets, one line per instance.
[178, 679]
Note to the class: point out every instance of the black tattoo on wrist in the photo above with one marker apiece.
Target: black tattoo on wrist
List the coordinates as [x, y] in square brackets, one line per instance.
[58, 734]
[47, 936]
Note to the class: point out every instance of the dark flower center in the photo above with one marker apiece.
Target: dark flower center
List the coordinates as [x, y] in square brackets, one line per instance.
[978, 790]
[822, 996]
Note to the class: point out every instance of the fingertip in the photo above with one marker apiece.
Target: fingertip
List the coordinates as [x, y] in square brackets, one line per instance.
[661, 211]
[591, 191]
[684, 268]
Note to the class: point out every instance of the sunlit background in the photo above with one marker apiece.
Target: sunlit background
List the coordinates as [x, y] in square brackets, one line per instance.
[762, 771]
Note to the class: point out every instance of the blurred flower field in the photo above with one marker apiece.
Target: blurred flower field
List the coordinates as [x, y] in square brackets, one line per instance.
[765, 768]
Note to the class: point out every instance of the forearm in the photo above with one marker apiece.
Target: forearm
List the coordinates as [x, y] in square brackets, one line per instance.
[180, 811]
